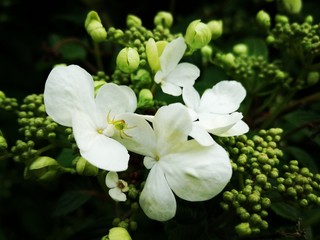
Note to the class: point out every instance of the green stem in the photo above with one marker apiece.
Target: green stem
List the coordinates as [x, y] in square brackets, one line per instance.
[5, 156]
[98, 56]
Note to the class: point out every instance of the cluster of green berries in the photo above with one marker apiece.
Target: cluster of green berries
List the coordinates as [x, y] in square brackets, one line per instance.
[254, 161]
[33, 120]
[8, 104]
[299, 185]
[297, 38]
[23, 151]
[254, 72]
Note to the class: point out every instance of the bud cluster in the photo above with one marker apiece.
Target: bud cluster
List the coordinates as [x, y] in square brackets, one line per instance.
[255, 163]
[299, 184]
[296, 38]
[6, 103]
[34, 122]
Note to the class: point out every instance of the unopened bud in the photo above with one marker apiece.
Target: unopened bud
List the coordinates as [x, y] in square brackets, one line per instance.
[263, 19]
[154, 51]
[94, 27]
[198, 35]
[43, 168]
[164, 19]
[128, 60]
[243, 229]
[85, 168]
[133, 21]
[291, 6]
[240, 49]
[216, 28]
[119, 233]
[313, 78]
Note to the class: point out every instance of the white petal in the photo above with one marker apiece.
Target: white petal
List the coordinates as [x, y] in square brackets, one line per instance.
[113, 99]
[171, 89]
[219, 123]
[68, 89]
[172, 54]
[238, 129]
[98, 149]
[156, 199]
[184, 74]
[201, 135]
[112, 179]
[149, 162]
[117, 195]
[224, 97]
[197, 173]
[191, 97]
[172, 125]
[138, 135]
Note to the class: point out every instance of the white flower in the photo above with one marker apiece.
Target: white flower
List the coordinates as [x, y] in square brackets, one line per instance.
[117, 187]
[69, 100]
[215, 112]
[177, 165]
[172, 75]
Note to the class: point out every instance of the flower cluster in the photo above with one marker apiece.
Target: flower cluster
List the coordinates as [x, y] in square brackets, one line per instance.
[176, 143]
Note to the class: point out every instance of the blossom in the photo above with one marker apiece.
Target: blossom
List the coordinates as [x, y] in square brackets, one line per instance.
[215, 111]
[174, 75]
[117, 187]
[178, 166]
[69, 100]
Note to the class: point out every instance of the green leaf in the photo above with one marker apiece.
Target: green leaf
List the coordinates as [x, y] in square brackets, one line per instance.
[256, 47]
[70, 201]
[66, 157]
[73, 52]
[303, 157]
[286, 211]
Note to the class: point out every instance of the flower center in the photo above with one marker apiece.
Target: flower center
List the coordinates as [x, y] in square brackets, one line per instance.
[119, 125]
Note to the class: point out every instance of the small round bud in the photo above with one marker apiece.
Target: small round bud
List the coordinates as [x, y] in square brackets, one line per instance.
[243, 229]
[240, 49]
[164, 19]
[133, 21]
[198, 35]
[119, 233]
[291, 6]
[313, 78]
[128, 60]
[228, 60]
[263, 19]
[145, 98]
[216, 28]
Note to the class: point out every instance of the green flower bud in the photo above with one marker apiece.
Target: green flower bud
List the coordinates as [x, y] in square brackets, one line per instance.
[43, 168]
[154, 51]
[243, 229]
[164, 19]
[119, 233]
[206, 53]
[198, 35]
[145, 98]
[228, 60]
[83, 167]
[3, 143]
[263, 19]
[240, 49]
[128, 60]
[254, 198]
[291, 6]
[94, 27]
[313, 78]
[142, 78]
[281, 19]
[133, 21]
[98, 84]
[216, 28]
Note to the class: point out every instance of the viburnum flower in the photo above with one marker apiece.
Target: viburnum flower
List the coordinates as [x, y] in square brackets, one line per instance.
[69, 100]
[174, 75]
[215, 111]
[178, 166]
[117, 187]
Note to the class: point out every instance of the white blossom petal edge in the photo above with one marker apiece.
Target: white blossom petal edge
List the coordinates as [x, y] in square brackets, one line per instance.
[69, 100]
[174, 75]
[177, 165]
[215, 111]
